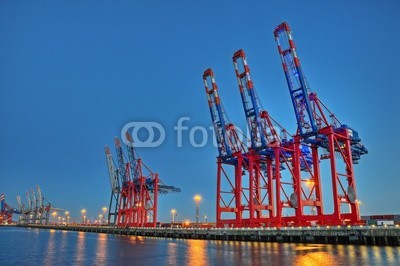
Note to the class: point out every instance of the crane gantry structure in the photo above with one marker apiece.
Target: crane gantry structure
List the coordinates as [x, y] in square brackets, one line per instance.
[340, 144]
[134, 188]
[277, 179]
[6, 211]
[37, 211]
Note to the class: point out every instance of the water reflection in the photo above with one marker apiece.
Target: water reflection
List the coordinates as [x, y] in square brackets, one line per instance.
[172, 250]
[49, 255]
[259, 253]
[80, 249]
[197, 252]
[101, 249]
[314, 255]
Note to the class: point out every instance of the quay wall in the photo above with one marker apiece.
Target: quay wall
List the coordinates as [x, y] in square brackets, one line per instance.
[356, 235]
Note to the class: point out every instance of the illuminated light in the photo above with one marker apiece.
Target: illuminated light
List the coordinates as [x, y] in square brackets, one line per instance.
[309, 183]
[197, 198]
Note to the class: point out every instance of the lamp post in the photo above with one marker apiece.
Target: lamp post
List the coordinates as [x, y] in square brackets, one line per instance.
[83, 211]
[67, 215]
[100, 218]
[54, 214]
[173, 213]
[197, 200]
[104, 213]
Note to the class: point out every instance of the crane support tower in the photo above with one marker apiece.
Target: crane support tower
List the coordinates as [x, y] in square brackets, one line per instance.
[134, 188]
[339, 143]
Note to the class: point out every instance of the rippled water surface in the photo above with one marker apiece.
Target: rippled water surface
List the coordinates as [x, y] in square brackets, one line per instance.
[23, 246]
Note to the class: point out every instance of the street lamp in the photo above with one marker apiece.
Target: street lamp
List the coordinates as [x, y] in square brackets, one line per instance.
[54, 214]
[104, 213]
[67, 215]
[83, 211]
[197, 200]
[173, 213]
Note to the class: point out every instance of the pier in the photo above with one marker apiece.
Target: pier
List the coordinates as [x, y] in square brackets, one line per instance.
[354, 235]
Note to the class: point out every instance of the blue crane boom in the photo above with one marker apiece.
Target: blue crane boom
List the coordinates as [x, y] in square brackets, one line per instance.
[131, 155]
[251, 104]
[123, 168]
[225, 132]
[263, 128]
[297, 83]
[309, 110]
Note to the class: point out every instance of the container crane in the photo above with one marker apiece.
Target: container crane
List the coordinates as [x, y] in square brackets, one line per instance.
[135, 188]
[314, 128]
[38, 209]
[115, 187]
[43, 208]
[231, 195]
[276, 154]
[127, 189]
[6, 211]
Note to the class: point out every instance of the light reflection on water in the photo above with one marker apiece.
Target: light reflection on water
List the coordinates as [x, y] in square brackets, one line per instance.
[50, 247]
[49, 256]
[101, 249]
[197, 252]
[80, 248]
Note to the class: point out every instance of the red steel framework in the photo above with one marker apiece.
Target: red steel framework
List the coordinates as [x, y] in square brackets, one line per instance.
[139, 191]
[275, 181]
[135, 189]
[285, 161]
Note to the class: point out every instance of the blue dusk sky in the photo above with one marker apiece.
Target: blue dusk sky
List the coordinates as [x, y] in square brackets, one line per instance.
[74, 73]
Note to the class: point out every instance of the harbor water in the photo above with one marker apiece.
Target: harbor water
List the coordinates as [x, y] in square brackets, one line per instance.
[31, 246]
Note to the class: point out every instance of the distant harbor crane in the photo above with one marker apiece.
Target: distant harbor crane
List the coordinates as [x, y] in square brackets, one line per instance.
[134, 188]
